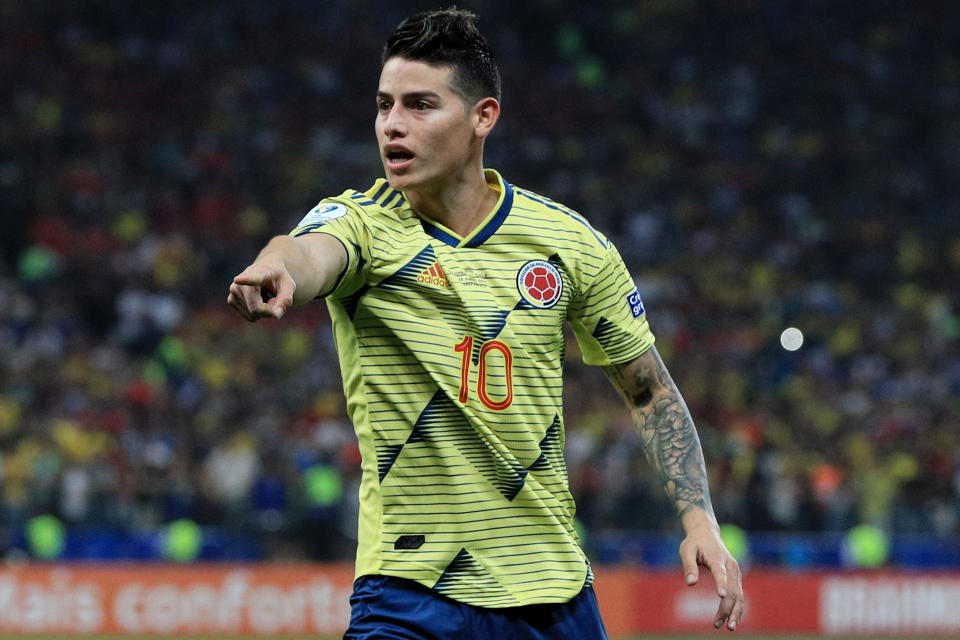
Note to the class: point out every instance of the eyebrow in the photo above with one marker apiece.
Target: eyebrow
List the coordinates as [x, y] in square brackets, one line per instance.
[416, 95]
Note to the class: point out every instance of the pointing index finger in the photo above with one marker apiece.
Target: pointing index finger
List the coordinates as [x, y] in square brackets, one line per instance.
[253, 280]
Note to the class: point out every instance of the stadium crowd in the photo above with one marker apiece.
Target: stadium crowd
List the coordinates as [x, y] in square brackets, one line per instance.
[759, 165]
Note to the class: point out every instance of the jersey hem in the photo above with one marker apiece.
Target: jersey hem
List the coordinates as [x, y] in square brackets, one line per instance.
[475, 602]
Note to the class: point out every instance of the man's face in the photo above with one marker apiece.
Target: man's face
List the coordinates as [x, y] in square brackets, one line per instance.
[425, 131]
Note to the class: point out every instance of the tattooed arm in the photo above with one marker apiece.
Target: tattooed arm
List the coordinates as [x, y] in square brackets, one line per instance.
[666, 430]
[671, 444]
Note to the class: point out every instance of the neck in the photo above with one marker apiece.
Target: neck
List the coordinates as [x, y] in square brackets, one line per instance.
[460, 203]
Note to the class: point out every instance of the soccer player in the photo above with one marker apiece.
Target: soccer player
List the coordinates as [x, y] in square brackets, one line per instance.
[448, 288]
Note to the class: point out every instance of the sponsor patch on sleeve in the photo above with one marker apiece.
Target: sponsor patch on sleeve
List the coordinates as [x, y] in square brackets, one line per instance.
[635, 304]
[324, 212]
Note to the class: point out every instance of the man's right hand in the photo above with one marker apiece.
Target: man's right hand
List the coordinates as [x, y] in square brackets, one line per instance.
[263, 290]
[288, 271]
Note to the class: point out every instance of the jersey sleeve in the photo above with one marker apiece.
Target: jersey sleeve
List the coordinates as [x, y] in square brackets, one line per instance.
[608, 318]
[343, 221]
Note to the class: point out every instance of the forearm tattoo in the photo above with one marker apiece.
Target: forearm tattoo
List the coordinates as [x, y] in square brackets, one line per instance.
[666, 430]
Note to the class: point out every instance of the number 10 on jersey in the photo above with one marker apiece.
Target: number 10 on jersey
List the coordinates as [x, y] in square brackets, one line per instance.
[466, 348]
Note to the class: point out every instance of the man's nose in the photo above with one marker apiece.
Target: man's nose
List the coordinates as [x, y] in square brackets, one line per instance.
[395, 123]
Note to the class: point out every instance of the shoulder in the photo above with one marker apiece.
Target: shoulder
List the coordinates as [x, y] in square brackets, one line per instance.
[555, 215]
[378, 208]
[376, 201]
[372, 212]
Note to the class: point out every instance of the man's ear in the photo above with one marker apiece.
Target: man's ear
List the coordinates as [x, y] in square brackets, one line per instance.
[486, 112]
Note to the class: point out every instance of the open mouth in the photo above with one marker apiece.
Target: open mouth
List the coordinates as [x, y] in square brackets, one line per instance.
[399, 158]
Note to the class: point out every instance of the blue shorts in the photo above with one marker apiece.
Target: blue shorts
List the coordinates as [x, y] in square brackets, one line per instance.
[388, 608]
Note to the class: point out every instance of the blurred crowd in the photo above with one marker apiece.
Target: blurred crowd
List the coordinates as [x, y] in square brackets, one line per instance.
[759, 165]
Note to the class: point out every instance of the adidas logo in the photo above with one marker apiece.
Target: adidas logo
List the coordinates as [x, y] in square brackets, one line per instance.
[434, 276]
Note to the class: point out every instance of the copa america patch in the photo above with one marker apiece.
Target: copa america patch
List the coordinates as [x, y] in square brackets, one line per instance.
[540, 283]
[635, 304]
[324, 212]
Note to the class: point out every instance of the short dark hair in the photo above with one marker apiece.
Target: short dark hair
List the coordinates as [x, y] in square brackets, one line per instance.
[449, 37]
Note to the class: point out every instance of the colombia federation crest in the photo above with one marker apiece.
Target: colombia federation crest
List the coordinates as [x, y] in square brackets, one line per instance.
[540, 283]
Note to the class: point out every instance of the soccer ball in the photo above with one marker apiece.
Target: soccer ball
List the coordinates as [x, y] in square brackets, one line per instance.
[541, 284]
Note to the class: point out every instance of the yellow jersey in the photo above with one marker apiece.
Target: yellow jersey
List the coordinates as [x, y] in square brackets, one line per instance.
[451, 351]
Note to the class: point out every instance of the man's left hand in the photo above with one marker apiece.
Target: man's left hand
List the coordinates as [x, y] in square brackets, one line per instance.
[704, 547]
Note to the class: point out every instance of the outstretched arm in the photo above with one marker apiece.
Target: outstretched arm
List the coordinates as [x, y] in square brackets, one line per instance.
[288, 271]
[671, 444]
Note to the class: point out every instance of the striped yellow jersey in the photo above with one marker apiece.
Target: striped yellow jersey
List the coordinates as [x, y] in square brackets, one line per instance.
[451, 351]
